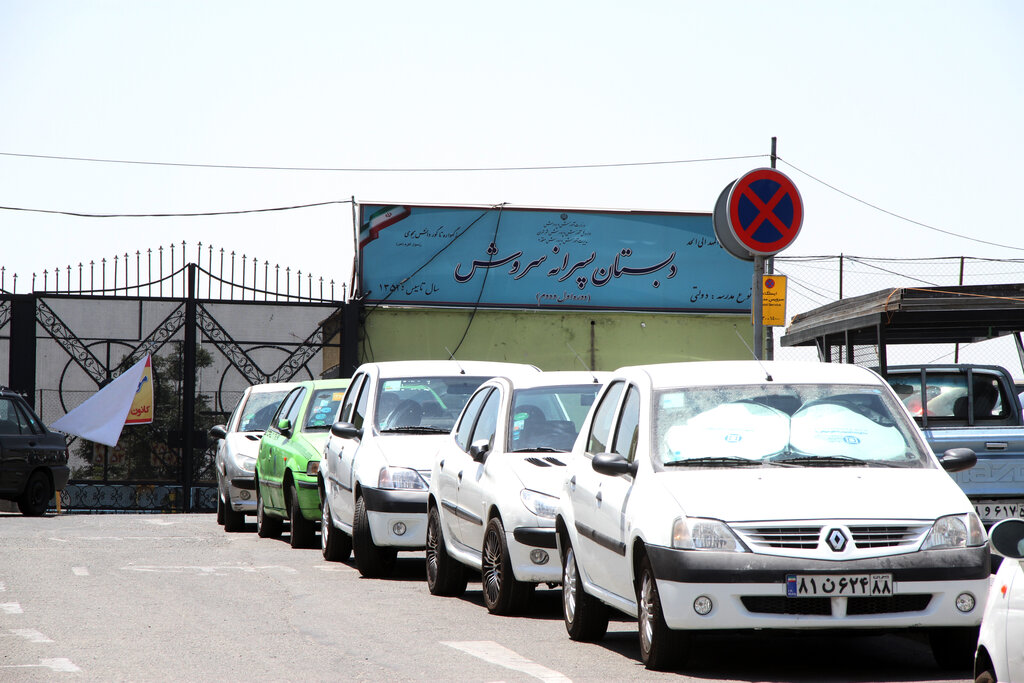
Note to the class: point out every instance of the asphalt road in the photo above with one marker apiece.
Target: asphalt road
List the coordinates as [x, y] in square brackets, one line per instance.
[175, 598]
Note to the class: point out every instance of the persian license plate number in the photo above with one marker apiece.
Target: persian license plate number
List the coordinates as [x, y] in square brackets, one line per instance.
[993, 510]
[838, 585]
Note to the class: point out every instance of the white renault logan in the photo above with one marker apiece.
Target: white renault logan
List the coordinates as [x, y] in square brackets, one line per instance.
[746, 495]
[375, 467]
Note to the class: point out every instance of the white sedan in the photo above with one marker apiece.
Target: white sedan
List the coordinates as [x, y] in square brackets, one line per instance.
[374, 471]
[495, 484]
[747, 495]
[1000, 656]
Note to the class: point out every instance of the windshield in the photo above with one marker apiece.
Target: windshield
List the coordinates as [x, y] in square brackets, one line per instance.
[548, 418]
[423, 404]
[323, 409]
[798, 425]
[259, 409]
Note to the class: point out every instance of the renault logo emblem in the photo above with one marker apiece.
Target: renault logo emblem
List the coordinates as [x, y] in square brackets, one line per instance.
[836, 540]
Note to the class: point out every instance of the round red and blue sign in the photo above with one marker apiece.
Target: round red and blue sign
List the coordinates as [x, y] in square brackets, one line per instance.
[764, 212]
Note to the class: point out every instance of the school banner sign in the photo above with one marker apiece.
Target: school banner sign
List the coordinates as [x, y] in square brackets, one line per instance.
[510, 257]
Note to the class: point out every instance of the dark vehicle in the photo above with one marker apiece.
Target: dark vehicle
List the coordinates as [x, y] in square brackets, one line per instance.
[33, 460]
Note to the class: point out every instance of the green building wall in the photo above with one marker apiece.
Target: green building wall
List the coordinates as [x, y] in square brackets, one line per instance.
[551, 340]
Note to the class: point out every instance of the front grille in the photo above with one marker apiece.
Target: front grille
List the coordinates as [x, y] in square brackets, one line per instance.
[771, 604]
[890, 604]
[887, 536]
[803, 537]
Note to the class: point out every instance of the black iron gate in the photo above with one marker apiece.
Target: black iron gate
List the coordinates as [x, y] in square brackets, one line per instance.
[62, 346]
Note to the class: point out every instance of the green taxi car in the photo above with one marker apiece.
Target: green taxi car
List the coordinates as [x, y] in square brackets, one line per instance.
[289, 459]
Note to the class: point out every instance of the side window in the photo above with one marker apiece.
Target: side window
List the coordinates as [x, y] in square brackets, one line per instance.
[487, 423]
[27, 422]
[465, 427]
[990, 403]
[601, 427]
[350, 398]
[8, 417]
[359, 413]
[629, 425]
[293, 410]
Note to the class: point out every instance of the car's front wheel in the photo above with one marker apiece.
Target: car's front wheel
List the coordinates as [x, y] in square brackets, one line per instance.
[266, 526]
[371, 561]
[335, 544]
[233, 520]
[502, 593]
[660, 647]
[445, 575]
[220, 507]
[303, 533]
[953, 648]
[586, 617]
[36, 497]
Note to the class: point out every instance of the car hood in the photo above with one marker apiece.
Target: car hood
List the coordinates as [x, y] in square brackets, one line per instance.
[416, 451]
[245, 444]
[763, 494]
[542, 472]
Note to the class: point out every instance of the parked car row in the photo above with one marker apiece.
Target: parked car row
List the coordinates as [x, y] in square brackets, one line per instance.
[690, 496]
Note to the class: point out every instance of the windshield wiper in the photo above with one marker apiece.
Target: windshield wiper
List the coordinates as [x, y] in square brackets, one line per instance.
[712, 461]
[822, 461]
[539, 449]
[416, 430]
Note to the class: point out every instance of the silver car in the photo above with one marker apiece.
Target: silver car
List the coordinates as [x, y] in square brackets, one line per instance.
[237, 447]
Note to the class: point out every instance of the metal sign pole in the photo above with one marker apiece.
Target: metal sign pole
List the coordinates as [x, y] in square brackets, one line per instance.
[758, 306]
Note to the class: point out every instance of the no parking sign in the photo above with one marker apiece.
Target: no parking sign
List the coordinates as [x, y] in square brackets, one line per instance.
[759, 214]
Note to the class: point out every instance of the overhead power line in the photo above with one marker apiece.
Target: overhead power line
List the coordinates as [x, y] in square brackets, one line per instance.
[174, 215]
[467, 169]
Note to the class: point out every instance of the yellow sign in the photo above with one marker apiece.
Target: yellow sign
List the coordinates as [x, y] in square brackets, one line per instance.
[141, 411]
[773, 300]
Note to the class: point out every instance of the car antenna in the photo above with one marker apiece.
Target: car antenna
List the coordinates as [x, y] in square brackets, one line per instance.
[767, 375]
[451, 356]
[582, 363]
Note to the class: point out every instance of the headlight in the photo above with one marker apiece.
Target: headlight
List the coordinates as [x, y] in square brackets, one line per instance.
[400, 478]
[245, 463]
[539, 504]
[955, 531]
[312, 467]
[694, 533]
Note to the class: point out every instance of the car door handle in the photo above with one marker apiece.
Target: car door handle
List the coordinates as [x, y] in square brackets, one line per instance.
[599, 497]
[572, 483]
[995, 445]
[460, 475]
[442, 464]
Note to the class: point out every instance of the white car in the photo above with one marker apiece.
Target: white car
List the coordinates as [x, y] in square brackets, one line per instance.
[238, 443]
[748, 495]
[1000, 655]
[495, 483]
[374, 471]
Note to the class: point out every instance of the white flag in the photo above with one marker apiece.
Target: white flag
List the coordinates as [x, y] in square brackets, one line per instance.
[103, 414]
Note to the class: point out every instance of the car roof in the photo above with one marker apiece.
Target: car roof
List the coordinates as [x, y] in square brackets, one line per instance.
[704, 373]
[268, 387]
[427, 368]
[553, 378]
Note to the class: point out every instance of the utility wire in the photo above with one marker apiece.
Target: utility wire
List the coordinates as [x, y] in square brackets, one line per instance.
[173, 215]
[468, 169]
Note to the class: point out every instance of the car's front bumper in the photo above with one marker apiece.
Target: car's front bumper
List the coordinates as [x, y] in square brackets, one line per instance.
[533, 554]
[748, 590]
[391, 511]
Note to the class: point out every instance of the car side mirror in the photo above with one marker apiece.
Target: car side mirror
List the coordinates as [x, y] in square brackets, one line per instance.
[346, 430]
[958, 459]
[218, 432]
[479, 450]
[1007, 538]
[284, 425]
[613, 464]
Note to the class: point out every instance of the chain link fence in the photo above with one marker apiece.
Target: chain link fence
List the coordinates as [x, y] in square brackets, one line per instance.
[814, 281]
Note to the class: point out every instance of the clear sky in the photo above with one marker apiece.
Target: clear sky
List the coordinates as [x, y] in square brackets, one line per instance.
[913, 107]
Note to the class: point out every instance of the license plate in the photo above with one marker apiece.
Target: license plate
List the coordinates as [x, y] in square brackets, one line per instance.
[838, 585]
[994, 510]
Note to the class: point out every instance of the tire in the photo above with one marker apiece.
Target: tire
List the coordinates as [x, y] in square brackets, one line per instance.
[36, 498]
[446, 576]
[335, 544]
[220, 508]
[233, 521]
[303, 534]
[502, 593]
[267, 526]
[586, 617]
[985, 677]
[371, 561]
[661, 648]
[953, 648]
